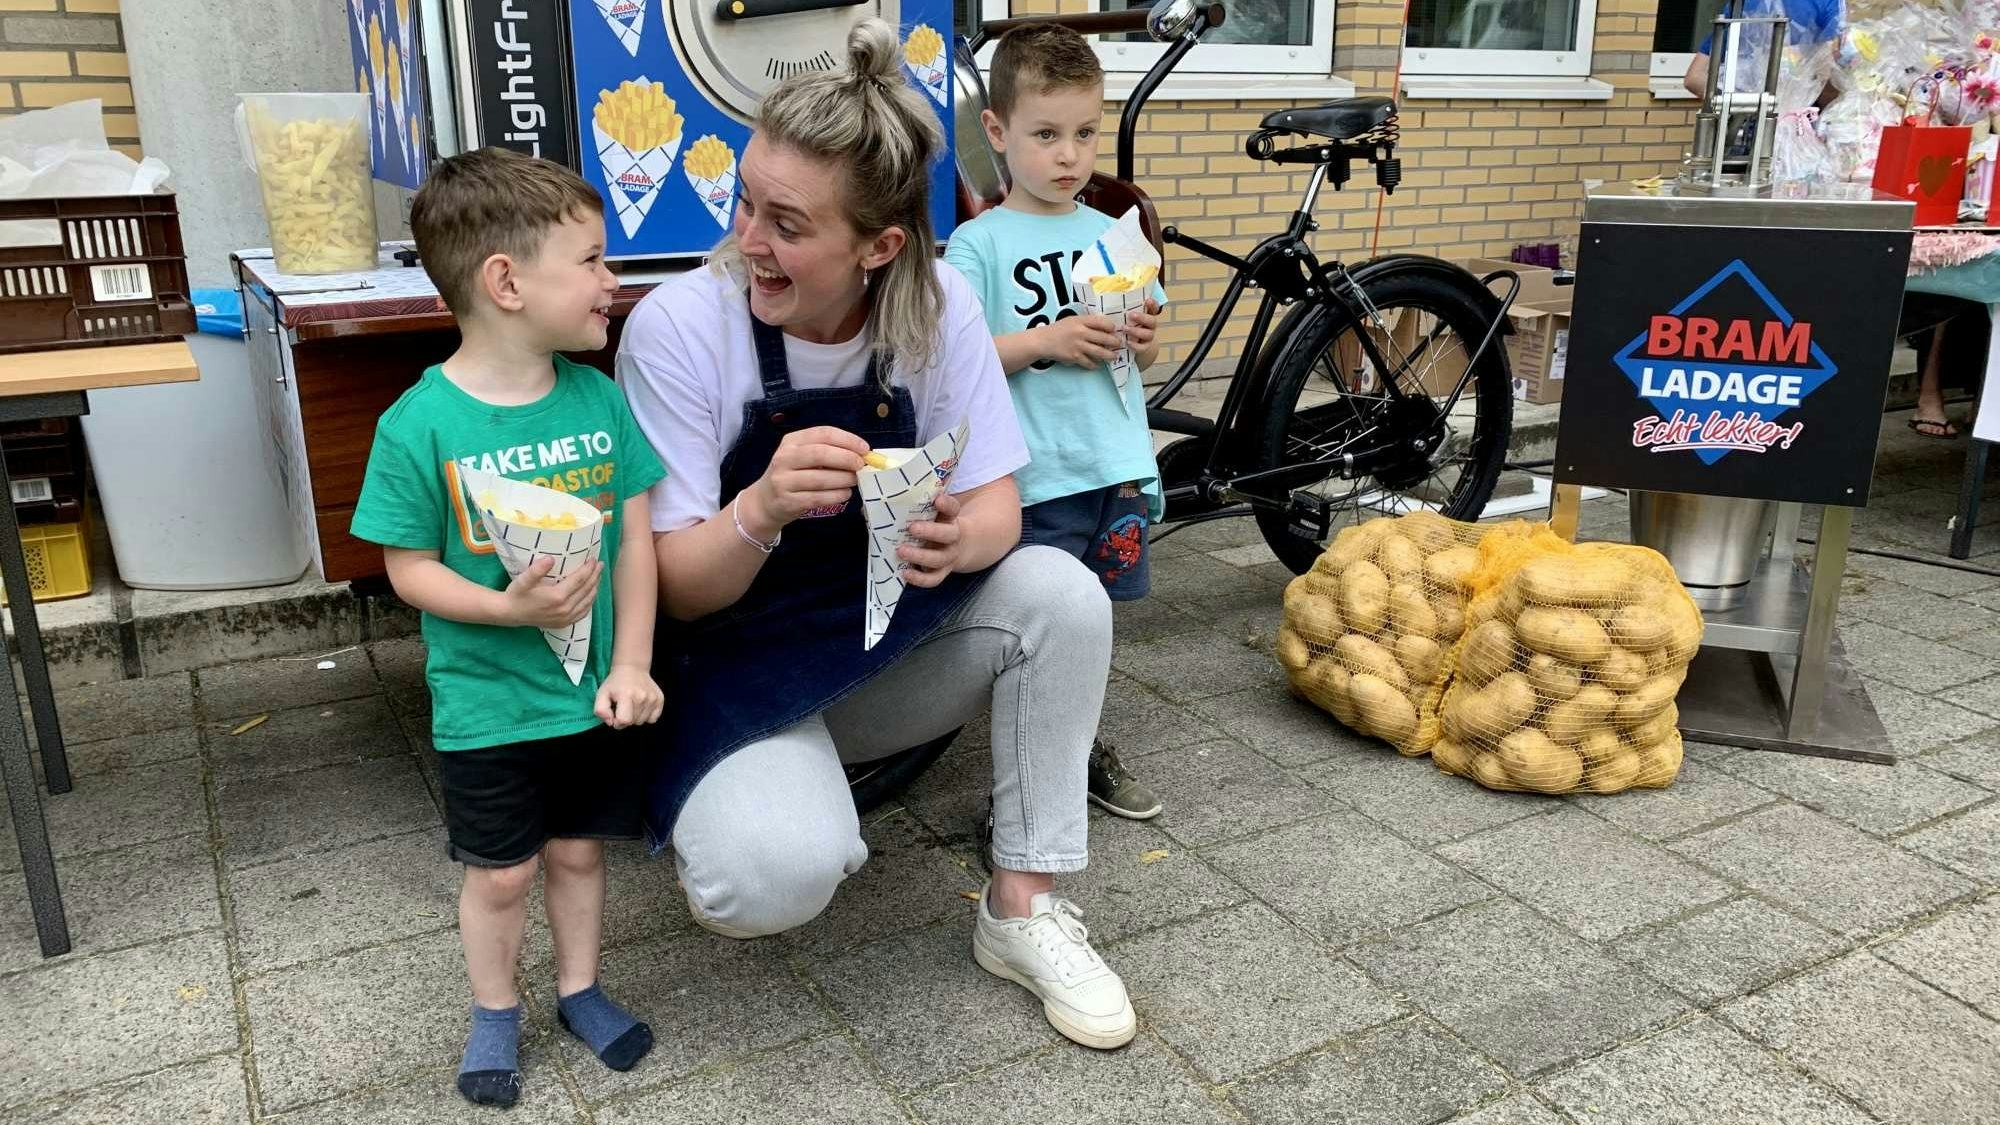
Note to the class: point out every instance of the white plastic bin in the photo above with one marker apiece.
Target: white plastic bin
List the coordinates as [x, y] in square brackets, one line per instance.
[186, 474]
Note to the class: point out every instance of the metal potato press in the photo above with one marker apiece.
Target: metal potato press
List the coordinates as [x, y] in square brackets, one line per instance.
[1736, 128]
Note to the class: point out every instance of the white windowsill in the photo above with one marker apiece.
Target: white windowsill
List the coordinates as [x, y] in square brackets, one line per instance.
[1669, 89]
[1233, 87]
[1503, 87]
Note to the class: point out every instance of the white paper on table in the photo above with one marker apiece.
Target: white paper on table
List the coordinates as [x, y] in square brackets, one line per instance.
[62, 152]
[1122, 247]
[518, 546]
[892, 499]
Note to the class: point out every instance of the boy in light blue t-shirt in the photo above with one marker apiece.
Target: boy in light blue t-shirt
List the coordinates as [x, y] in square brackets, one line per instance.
[1092, 486]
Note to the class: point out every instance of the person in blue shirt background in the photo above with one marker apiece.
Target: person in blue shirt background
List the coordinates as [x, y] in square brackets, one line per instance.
[1813, 21]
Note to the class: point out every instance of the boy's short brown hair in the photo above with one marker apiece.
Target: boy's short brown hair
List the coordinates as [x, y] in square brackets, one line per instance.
[1040, 58]
[486, 202]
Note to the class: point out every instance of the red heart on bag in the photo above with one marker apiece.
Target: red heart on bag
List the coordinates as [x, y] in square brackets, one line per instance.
[1932, 172]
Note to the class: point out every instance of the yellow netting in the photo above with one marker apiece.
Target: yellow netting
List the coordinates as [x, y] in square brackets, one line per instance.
[1566, 676]
[1368, 629]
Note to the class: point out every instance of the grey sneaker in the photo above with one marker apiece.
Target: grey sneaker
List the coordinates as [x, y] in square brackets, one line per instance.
[1115, 790]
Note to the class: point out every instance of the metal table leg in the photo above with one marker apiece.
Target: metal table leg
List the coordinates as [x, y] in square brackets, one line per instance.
[1969, 487]
[20, 594]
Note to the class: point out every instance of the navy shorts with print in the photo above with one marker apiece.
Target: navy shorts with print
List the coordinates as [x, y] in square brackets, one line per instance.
[1105, 527]
[502, 803]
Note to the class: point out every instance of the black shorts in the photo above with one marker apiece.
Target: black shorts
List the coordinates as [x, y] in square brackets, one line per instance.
[502, 803]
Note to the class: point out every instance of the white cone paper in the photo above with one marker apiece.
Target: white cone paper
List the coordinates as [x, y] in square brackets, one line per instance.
[626, 18]
[718, 195]
[1124, 246]
[1117, 306]
[519, 546]
[931, 77]
[633, 177]
[891, 499]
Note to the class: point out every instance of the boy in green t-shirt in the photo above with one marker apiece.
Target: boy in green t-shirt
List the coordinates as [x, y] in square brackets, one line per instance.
[528, 760]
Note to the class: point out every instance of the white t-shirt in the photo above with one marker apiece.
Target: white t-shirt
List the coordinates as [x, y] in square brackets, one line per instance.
[687, 364]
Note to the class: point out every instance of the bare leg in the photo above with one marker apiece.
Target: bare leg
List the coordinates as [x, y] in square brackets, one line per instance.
[1930, 417]
[574, 888]
[492, 911]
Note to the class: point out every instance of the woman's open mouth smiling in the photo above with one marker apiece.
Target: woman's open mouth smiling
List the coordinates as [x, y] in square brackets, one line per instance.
[768, 281]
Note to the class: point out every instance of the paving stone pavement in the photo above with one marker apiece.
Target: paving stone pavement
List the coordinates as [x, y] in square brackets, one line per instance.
[1315, 930]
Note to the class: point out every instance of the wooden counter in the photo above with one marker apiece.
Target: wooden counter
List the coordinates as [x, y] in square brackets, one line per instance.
[329, 355]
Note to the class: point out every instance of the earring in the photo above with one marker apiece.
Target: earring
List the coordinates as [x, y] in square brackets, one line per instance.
[867, 278]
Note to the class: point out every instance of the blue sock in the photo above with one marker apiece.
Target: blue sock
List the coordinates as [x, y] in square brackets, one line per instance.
[613, 1034]
[490, 1073]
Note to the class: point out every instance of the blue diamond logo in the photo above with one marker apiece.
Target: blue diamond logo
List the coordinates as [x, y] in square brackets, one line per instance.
[1637, 366]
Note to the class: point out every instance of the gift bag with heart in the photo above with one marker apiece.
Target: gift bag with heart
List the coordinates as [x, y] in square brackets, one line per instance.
[1925, 164]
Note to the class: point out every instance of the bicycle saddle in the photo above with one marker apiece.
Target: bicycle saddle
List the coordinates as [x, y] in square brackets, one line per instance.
[1346, 119]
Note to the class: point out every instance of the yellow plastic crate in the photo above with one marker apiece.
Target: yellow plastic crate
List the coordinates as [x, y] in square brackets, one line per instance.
[58, 558]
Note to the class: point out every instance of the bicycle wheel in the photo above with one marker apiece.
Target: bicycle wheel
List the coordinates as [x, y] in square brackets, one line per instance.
[1326, 398]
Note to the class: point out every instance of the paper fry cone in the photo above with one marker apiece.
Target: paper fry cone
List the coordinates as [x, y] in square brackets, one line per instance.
[717, 194]
[519, 545]
[931, 77]
[633, 177]
[1117, 306]
[891, 499]
[625, 18]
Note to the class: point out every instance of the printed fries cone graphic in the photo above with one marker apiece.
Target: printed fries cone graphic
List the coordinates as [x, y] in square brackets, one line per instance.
[638, 135]
[710, 167]
[528, 522]
[378, 70]
[923, 54]
[1118, 272]
[626, 19]
[902, 491]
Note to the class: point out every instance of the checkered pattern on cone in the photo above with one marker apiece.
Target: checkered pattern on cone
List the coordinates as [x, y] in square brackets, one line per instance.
[931, 78]
[626, 18]
[1119, 307]
[633, 177]
[518, 546]
[718, 194]
[891, 499]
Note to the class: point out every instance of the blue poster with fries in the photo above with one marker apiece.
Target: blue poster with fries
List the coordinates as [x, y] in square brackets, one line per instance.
[661, 123]
[382, 37]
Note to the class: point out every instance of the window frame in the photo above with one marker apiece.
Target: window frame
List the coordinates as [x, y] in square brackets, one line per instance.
[1313, 58]
[1573, 62]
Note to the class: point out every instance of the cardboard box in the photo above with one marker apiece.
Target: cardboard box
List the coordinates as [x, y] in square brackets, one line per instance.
[1537, 349]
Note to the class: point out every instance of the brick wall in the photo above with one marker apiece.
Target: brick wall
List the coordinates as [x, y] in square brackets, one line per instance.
[56, 51]
[1479, 177]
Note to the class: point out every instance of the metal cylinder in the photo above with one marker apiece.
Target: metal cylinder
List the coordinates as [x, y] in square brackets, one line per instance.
[1712, 542]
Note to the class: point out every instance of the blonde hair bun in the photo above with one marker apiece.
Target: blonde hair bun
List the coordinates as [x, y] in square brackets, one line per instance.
[874, 51]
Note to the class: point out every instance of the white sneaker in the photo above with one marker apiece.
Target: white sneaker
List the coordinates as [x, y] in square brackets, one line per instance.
[1049, 954]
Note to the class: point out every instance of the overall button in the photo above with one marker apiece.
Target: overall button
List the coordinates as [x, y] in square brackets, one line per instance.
[881, 410]
[778, 418]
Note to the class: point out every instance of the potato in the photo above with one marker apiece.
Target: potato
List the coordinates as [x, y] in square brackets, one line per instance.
[1364, 598]
[1292, 651]
[1647, 700]
[1512, 601]
[1660, 660]
[1578, 579]
[1537, 763]
[1352, 545]
[1567, 722]
[1641, 628]
[1429, 531]
[1382, 709]
[1453, 757]
[1360, 654]
[1655, 729]
[1399, 558]
[1570, 634]
[1598, 745]
[1554, 680]
[1660, 764]
[1326, 683]
[1614, 774]
[1315, 620]
[1492, 712]
[1622, 670]
[1489, 650]
[1487, 771]
[1421, 657]
[1451, 618]
[1685, 619]
[1409, 612]
[1449, 568]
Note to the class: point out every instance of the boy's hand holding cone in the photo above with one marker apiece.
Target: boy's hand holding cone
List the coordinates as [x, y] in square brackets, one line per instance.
[534, 601]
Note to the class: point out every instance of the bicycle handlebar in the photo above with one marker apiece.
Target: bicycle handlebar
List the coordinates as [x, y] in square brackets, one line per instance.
[1085, 23]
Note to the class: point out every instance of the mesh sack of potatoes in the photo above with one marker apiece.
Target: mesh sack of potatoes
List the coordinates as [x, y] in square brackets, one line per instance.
[1367, 630]
[1565, 678]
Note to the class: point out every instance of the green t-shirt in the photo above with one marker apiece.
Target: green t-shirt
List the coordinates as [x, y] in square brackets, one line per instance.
[492, 685]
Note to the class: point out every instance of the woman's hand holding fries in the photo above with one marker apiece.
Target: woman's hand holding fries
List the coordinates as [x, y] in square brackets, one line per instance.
[812, 469]
[533, 601]
[932, 563]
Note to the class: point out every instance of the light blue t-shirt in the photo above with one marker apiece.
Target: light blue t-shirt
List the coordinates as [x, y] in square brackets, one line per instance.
[1079, 437]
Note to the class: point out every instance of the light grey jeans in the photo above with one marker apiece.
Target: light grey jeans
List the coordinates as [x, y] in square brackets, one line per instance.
[770, 832]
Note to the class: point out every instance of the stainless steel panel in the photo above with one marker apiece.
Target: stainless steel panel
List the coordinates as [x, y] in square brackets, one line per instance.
[1714, 543]
[1826, 207]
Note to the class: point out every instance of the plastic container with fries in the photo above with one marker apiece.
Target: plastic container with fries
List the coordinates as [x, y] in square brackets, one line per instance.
[1118, 274]
[638, 133]
[311, 156]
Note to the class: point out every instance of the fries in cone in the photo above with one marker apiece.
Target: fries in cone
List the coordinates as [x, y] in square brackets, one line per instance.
[923, 56]
[1128, 266]
[528, 522]
[638, 134]
[902, 492]
[710, 167]
[626, 18]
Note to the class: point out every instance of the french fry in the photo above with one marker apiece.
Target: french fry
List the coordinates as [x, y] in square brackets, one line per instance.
[924, 45]
[317, 192]
[639, 116]
[1126, 280]
[708, 157]
[875, 460]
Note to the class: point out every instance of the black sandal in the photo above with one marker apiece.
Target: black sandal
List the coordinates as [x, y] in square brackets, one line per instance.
[1944, 431]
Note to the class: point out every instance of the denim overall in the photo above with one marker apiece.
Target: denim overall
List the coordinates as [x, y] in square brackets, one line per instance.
[791, 646]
